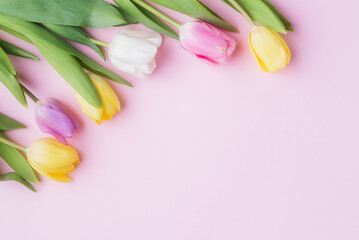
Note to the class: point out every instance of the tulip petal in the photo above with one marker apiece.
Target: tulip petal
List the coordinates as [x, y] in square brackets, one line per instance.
[94, 113]
[51, 154]
[206, 42]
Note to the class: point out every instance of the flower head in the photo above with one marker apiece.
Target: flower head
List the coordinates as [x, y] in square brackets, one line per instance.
[52, 117]
[134, 51]
[52, 159]
[206, 42]
[110, 102]
[269, 48]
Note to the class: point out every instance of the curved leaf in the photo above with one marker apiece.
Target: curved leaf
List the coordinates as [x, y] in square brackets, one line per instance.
[142, 16]
[63, 57]
[12, 49]
[17, 161]
[7, 123]
[75, 34]
[286, 23]
[261, 13]
[13, 176]
[8, 78]
[196, 9]
[84, 13]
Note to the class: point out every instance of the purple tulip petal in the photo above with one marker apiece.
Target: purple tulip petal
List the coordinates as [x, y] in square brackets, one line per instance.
[52, 117]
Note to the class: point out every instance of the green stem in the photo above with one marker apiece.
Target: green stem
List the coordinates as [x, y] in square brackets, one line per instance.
[242, 11]
[97, 42]
[157, 13]
[12, 144]
[30, 94]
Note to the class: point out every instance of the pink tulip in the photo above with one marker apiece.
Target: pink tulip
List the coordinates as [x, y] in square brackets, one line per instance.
[206, 42]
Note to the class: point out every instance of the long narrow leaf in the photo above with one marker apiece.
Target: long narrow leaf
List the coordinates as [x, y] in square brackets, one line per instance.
[13, 176]
[286, 23]
[137, 13]
[12, 49]
[63, 57]
[8, 78]
[84, 13]
[7, 123]
[17, 161]
[75, 34]
[196, 9]
[261, 13]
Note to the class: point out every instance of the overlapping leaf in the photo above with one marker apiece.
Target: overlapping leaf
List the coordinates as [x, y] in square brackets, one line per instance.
[7, 123]
[145, 17]
[17, 161]
[8, 78]
[84, 13]
[12, 49]
[66, 59]
[264, 13]
[75, 34]
[196, 9]
[13, 176]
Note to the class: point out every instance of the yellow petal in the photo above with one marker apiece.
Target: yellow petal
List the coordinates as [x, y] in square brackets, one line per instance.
[269, 48]
[94, 113]
[53, 176]
[109, 99]
[52, 159]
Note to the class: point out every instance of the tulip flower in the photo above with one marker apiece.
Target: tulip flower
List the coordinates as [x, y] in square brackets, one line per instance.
[134, 51]
[48, 157]
[206, 42]
[52, 159]
[52, 117]
[110, 102]
[269, 48]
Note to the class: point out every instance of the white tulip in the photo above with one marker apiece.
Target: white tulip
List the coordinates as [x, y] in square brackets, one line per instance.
[134, 51]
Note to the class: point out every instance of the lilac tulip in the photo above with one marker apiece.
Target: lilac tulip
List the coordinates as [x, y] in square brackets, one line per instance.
[52, 117]
[206, 42]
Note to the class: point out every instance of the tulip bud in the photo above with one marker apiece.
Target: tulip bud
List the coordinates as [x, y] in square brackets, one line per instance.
[52, 159]
[110, 102]
[270, 50]
[52, 117]
[206, 42]
[134, 51]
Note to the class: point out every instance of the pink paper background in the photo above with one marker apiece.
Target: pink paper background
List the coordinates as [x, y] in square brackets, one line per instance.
[204, 152]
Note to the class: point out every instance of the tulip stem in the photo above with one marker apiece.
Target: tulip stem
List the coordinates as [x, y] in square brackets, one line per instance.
[158, 13]
[242, 11]
[12, 144]
[97, 42]
[30, 94]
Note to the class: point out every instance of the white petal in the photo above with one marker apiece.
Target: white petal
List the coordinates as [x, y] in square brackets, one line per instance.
[135, 47]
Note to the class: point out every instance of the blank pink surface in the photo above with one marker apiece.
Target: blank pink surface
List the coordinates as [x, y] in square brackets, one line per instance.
[204, 152]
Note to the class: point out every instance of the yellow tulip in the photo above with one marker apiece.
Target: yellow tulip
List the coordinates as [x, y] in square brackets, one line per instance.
[270, 50]
[52, 159]
[110, 102]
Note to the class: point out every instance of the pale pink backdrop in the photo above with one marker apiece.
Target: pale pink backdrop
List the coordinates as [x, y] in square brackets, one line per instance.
[205, 152]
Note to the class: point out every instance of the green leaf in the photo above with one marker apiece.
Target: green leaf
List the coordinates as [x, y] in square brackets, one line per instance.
[198, 10]
[84, 13]
[64, 58]
[17, 161]
[13, 176]
[11, 49]
[7, 123]
[261, 13]
[143, 16]
[8, 78]
[75, 34]
[286, 23]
